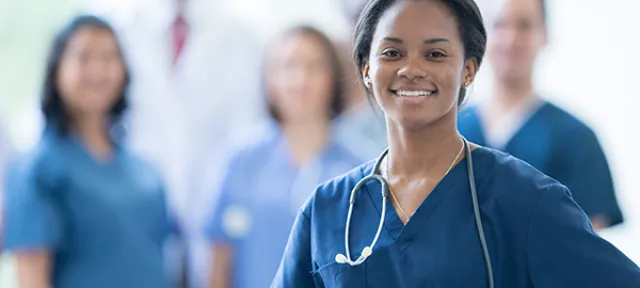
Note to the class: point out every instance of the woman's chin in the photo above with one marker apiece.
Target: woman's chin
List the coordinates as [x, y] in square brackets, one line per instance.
[419, 121]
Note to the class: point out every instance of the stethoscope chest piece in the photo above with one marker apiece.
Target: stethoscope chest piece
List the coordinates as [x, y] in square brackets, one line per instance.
[367, 250]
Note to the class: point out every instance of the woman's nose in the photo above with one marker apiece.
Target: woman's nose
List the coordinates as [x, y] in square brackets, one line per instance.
[412, 70]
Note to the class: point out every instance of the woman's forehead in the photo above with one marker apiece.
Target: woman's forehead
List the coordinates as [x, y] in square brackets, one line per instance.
[417, 19]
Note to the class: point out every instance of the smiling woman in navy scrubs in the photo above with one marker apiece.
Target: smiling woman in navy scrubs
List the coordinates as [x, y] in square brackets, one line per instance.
[416, 58]
[519, 122]
[81, 210]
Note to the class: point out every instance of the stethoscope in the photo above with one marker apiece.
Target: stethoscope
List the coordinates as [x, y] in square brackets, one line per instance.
[375, 175]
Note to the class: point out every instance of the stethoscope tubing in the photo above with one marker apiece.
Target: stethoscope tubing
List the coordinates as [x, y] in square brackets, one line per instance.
[376, 175]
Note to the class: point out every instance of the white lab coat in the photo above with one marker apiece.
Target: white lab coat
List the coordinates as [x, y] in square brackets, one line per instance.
[180, 118]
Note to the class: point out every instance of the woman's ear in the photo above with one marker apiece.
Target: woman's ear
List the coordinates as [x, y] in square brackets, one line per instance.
[365, 75]
[469, 72]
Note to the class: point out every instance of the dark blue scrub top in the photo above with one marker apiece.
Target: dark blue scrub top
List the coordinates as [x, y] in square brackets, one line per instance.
[105, 223]
[562, 147]
[537, 236]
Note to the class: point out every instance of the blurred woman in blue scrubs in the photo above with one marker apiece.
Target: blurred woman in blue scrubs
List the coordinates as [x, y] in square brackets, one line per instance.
[454, 214]
[81, 210]
[268, 181]
[518, 121]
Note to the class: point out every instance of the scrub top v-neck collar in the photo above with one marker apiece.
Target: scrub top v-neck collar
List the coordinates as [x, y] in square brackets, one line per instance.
[283, 148]
[81, 148]
[523, 117]
[74, 145]
[404, 234]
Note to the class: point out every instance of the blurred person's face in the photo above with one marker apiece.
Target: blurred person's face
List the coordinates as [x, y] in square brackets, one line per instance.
[300, 79]
[91, 73]
[517, 34]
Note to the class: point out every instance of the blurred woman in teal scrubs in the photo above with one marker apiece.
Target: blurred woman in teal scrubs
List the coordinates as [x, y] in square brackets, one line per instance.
[518, 121]
[81, 210]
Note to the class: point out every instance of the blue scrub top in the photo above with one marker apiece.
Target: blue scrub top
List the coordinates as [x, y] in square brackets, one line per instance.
[104, 223]
[562, 147]
[259, 200]
[536, 234]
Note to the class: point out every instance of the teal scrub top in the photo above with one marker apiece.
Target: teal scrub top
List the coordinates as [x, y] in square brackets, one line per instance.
[105, 223]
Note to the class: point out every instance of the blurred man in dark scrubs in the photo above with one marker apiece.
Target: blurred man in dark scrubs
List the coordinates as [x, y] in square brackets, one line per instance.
[517, 120]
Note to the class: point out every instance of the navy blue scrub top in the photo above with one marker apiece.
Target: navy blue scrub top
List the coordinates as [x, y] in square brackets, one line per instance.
[536, 234]
[562, 147]
[104, 223]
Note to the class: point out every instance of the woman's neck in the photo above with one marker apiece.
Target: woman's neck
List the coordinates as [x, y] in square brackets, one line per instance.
[93, 131]
[306, 139]
[425, 153]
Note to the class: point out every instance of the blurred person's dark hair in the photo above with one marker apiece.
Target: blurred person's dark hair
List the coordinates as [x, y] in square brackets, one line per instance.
[52, 104]
[471, 29]
[337, 96]
[543, 10]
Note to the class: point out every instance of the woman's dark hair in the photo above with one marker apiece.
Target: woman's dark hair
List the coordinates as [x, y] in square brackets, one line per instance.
[337, 90]
[52, 104]
[470, 26]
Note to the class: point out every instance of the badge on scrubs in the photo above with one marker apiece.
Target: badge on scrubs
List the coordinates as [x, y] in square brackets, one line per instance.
[236, 221]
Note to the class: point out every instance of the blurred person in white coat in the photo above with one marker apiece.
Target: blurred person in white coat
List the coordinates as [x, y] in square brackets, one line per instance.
[197, 73]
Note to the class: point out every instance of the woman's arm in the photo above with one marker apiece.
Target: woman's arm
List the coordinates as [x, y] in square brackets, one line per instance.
[34, 269]
[221, 266]
[33, 226]
[583, 167]
[564, 251]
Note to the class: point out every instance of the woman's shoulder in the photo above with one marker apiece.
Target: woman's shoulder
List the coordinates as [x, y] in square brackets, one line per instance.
[503, 172]
[44, 162]
[511, 183]
[337, 189]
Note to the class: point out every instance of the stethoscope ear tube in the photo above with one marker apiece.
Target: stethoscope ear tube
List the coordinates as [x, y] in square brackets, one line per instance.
[476, 212]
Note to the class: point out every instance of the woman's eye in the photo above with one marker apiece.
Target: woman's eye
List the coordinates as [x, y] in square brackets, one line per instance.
[391, 53]
[435, 54]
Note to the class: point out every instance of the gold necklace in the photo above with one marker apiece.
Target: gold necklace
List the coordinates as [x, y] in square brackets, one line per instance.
[393, 195]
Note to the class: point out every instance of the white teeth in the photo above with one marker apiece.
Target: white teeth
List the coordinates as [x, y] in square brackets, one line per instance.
[413, 93]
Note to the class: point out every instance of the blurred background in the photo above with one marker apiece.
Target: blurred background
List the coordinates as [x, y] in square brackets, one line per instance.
[590, 68]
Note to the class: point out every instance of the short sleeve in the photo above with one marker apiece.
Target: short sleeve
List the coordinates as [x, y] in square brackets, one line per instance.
[32, 216]
[173, 227]
[564, 251]
[214, 229]
[225, 221]
[586, 173]
[295, 266]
